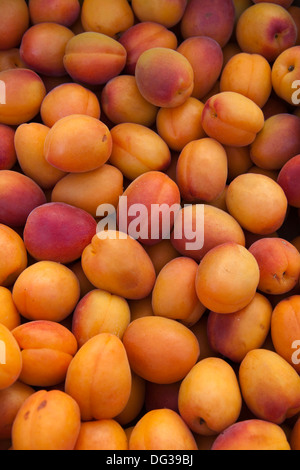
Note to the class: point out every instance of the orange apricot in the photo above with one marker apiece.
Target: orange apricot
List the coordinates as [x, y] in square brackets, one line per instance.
[46, 291]
[102, 435]
[160, 350]
[10, 358]
[99, 378]
[47, 421]
[15, 21]
[110, 18]
[9, 315]
[13, 256]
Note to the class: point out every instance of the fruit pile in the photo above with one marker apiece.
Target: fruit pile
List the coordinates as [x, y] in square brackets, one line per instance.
[149, 225]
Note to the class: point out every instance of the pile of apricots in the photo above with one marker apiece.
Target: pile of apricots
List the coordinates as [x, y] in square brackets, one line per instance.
[114, 342]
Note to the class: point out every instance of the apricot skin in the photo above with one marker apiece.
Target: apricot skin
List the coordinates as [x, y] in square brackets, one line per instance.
[146, 338]
[100, 367]
[47, 421]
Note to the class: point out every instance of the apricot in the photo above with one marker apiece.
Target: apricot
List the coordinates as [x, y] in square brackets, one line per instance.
[58, 232]
[285, 329]
[160, 350]
[178, 275]
[46, 291]
[274, 32]
[19, 195]
[232, 119]
[94, 58]
[143, 36]
[249, 75]
[158, 200]
[8, 157]
[9, 315]
[270, 386]
[287, 180]
[254, 434]
[66, 12]
[218, 227]
[29, 145]
[11, 400]
[47, 421]
[137, 150]
[99, 378]
[165, 12]
[152, 432]
[257, 202]
[164, 77]
[239, 161]
[110, 18]
[227, 278]
[10, 360]
[285, 75]
[234, 335]
[213, 19]
[105, 434]
[15, 21]
[135, 403]
[78, 143]
[160, 396]
[209, 397]
[295, 436]
[24, 93]
[122, 102]
[206, 58]
[47, 349]
[67, 99]
[170, 124]
[13, 256]
[279, 265]
[277, 142]
[100, 312]
[202, 170]
[43, 48]
[89, 190]
[118, 264]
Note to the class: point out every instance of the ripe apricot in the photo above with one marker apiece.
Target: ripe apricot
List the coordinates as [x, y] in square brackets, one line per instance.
[15, 21]
[99, 378]
[66, 12]
[138, 149]
[100, 312]
[135, 403]
[67, 99]
[117, 263]
[47, 421]
[152, 432]
[257, 202]
[110, 18]
[160, 350]
[102, 435]
[227, 278]
[209, 397]
[47, 350]
[78, 143]
[8, 156]
[250, 75]
[232, 119]
[179, 275]
[165, 12]
[46, 291]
